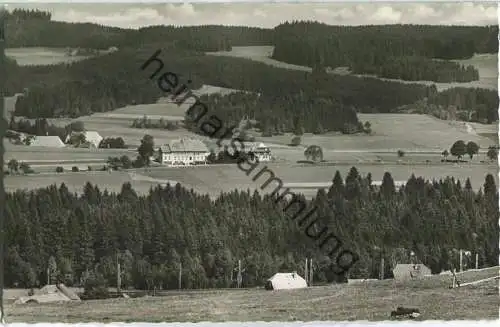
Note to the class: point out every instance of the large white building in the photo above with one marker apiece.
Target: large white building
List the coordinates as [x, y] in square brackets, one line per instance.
[183, 152]
[260, 150]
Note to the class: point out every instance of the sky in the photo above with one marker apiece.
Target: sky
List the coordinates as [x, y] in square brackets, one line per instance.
[268, 15]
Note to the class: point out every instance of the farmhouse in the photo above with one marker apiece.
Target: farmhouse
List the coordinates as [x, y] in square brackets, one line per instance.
[285, 281]
[410, 271]
[91, 137]
[47, 141]
[261, 151]
[183, 152]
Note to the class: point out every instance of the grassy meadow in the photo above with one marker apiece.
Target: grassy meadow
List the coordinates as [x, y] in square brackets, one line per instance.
[40, 56]
[362, 301]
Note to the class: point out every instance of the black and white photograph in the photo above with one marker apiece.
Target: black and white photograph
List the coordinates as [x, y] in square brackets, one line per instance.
[266, 163]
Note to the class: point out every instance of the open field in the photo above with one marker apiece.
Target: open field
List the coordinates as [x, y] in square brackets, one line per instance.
[40, 56]
[217, 178]
[112, 181]
[365, 301]
[420, 135]
[485, 63]
[213, 179]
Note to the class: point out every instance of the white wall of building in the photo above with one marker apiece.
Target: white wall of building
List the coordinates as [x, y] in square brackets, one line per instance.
[187, 158]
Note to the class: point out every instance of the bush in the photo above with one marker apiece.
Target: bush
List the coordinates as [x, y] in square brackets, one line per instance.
[59, 169]
[89, 168]
[75, 169]
[296, 140]
[95, 288]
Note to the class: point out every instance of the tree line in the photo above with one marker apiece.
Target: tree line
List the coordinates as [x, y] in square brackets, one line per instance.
[393, 51]
[80, 237]
[481, 105]
[35, 29]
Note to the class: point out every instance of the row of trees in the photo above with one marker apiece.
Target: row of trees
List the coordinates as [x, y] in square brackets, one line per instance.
[112, 143]
[395, 51]
[418, 69]
[16, 167]
[161, 123]
[153, 234]
[460, 148]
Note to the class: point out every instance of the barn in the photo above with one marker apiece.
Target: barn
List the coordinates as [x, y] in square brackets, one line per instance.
[47, 141]
[410, 271]
[285, 281]
[92, 138]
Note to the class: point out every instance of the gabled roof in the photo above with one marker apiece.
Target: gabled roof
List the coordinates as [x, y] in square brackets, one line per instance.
[286, 281]
[185, 145]
[48, 141]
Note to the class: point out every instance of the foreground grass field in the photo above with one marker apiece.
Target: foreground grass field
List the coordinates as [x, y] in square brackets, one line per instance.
[365, 301]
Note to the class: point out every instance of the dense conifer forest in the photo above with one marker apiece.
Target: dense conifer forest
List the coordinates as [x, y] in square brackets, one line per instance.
[152, 234]
[391, 51]
[36, 29]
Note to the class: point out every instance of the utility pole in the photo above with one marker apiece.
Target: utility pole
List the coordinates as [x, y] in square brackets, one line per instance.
[306, 274]
[239, 278]
[382, 266]
[460, 268]
[311, 273]
[180, 275]
[477, 261]
[118, 275]
[3, 126]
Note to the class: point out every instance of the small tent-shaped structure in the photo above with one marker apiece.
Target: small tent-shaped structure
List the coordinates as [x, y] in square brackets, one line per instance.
[285, 281]
[410, 271]
[49, 294]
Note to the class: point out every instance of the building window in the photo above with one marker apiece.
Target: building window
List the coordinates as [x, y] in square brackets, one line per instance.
[190, 158]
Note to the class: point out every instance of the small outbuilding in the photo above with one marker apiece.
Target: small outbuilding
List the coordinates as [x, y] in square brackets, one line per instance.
[410, 271]
[285, 281]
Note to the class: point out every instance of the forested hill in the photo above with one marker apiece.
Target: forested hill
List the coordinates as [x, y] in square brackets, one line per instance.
[391, 51]
[153, 234]
[110, 81]
[36, 29]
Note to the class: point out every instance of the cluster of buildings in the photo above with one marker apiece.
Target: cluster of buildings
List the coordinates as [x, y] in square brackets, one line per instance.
[86, 139]
[189, 151]
[182, 152]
